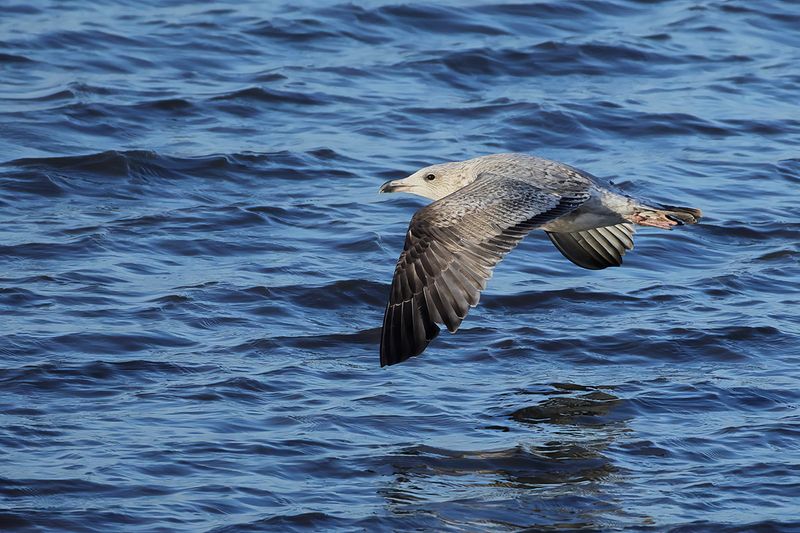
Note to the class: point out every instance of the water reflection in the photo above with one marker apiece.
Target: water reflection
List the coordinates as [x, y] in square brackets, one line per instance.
[593, 408]
[556, 476]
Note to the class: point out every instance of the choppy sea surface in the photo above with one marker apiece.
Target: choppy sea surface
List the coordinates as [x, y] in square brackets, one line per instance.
[194, 262]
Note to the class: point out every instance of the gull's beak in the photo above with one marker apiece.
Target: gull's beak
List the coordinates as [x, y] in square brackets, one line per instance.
[393, 186]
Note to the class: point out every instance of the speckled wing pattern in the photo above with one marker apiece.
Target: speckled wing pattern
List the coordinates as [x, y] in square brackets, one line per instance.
[451, 247]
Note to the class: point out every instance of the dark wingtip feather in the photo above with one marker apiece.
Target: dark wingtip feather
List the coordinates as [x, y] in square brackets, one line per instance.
[397, 344]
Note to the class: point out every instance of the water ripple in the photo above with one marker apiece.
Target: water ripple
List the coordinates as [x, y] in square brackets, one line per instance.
[194, 263]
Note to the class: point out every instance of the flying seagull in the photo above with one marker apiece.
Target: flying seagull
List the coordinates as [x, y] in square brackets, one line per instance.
[482, 208]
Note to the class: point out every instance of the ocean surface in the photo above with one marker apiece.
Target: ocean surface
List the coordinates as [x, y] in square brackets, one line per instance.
[194, 263]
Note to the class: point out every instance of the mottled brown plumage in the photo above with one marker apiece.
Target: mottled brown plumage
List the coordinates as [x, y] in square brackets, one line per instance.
[483, 207]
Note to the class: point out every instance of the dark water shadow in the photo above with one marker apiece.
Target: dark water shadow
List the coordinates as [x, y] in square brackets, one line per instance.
[556, 477]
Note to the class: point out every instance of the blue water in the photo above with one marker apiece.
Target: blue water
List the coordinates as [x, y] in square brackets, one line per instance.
[194, 262]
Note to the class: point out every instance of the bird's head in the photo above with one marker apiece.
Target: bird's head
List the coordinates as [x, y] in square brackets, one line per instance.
[435, 181]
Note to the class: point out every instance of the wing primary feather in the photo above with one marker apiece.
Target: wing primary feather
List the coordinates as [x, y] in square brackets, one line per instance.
[431, 330]
[470, 284]
[474, 274]
[405, 290]
[420, 277]
[403, 330]
[433, 310]
[418, 317]
[389, 346]
[422, 321]
[459, 297]
[463, 285]
[445, 306]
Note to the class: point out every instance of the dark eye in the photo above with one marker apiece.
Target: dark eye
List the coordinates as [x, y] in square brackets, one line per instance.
[430, 177]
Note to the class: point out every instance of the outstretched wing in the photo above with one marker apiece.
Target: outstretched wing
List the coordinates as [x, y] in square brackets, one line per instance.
[451, 247]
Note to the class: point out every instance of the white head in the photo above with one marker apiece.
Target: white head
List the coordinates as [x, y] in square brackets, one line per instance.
[435, 181]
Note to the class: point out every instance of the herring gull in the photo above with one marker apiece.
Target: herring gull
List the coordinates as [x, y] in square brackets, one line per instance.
[482, 209]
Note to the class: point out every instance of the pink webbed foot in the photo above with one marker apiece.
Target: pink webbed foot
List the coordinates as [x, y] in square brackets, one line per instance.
[653, 218]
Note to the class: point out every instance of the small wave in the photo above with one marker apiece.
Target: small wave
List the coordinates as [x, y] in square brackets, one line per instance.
[167, 104]
[109, 163]
[110, 343]
[96, 379]
[86, 244]
[147, 171]
[764, 127]
[13, 58]
[367, 337]
[336, 295]
[547, 58]
[789, 169]
[35, 183]
[17, 297]
[194, 219]
[648, 124]
[294, 31]
[85, 39]
[50, 487]
[542, 10]
[238, 389]
[554, 298]
[273, 96]
[436, 19]
[289, 522]
[21, 9]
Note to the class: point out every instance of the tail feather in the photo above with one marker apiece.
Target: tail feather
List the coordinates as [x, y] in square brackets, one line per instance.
[682, 215]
